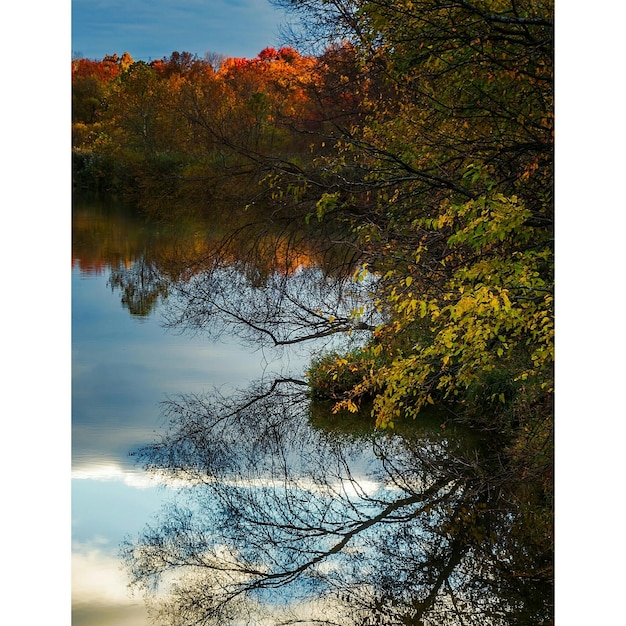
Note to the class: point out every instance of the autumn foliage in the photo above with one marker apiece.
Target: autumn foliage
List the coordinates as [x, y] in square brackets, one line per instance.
[186, 118]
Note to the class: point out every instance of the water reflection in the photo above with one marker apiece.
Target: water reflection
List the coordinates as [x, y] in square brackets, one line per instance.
[282, 514]
[121, 369]
[144, 258]
[123, 365]
[141, 285]
[282, 521]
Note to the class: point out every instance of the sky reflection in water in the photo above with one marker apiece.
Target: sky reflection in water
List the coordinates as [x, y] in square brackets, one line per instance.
[123, 367]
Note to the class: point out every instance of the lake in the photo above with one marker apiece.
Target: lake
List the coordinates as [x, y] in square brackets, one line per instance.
[202, 473]
[123, 366]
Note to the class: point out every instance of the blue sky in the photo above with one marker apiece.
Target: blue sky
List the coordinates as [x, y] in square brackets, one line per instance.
[152, 29]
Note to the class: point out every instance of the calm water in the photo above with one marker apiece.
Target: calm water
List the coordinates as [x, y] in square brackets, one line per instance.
[201, 449]
[123, 366]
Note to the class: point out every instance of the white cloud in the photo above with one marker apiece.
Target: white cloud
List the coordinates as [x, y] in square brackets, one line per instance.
[112, 471]
[97, 577]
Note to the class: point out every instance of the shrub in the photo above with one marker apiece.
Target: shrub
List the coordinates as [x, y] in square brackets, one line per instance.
[335, 375]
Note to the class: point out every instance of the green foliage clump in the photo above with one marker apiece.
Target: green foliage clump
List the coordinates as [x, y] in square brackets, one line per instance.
[334, 376]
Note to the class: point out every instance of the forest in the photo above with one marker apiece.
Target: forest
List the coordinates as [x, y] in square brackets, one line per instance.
[418, 134]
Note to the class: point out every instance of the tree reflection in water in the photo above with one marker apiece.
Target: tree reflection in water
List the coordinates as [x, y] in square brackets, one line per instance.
[281, 522]
[142, 286]
[284, 519]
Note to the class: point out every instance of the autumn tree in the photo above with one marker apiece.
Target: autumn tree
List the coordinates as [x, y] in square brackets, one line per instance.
[181, 64]
[216, 123]
[447, 179]
[91, 82]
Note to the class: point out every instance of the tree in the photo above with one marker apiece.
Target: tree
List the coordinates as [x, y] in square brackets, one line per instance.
[91, 81]
[445, 171]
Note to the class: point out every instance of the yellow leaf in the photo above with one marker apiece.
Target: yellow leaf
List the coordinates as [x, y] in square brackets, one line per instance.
[505, 299]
